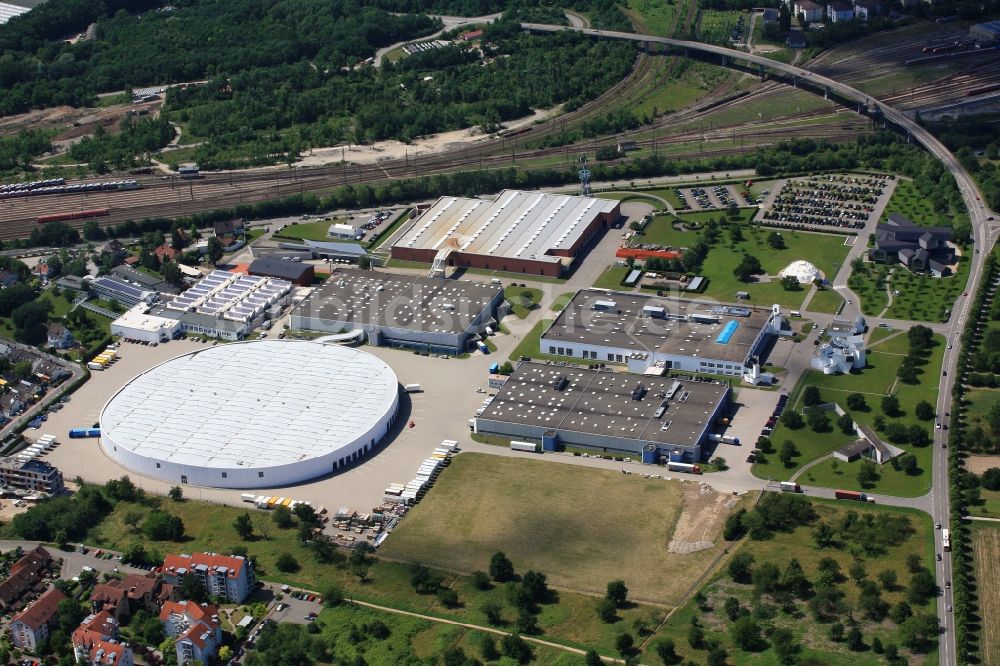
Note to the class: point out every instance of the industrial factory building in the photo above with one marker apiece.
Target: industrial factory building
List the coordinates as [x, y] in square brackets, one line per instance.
[222, 305]
[535, 233]
[650, 332]
[651, 417]
[430, 314]
[313, 409]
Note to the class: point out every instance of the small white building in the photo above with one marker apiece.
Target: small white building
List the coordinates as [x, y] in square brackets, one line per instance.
[809, 10]
[840, 11]
[139, 324]
[345, 231]
[840, 355]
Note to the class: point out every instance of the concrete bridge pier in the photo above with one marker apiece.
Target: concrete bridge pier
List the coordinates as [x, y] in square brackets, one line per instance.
[725, 61]
[760, 72]
[795, 81]
[826, 92]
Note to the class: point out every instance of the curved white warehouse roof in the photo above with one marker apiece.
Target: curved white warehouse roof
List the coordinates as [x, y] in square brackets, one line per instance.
[255, 414]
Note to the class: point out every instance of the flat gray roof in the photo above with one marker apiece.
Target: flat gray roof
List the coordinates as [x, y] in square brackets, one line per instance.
[590, 319]
[517, 225]
[600, 403]
[398, 301]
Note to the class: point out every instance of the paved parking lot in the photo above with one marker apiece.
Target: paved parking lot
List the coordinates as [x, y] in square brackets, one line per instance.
[715, 197]
[849, 202]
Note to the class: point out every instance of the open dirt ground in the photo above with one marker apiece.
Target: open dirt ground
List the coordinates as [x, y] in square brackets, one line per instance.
[702, 515]
[986, 546]
[979, 464]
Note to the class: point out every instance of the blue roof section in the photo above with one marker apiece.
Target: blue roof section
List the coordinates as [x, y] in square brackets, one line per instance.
[119, 286]
[727, 332]
[991, 26]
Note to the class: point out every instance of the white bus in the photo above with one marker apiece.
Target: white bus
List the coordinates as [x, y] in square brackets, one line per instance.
[945, 540]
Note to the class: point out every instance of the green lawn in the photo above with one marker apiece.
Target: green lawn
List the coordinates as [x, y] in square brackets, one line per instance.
[825, 251]
[253, 234]
[925, 298]
[878, 378]
[522, 300]
[906, 200]
[869, 285]
[612, 278]
[561, 301]
[315, 231]
[826, 300]
[811, 635]
[410, 638]
[641, 197]
[530, 346]
[670, 194]
[715, 27]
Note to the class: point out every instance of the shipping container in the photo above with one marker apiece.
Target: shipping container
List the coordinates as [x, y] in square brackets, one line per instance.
[525, 446]
[688, 468]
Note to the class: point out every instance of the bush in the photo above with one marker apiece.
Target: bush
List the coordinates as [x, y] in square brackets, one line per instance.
[481, 580]
[161, 526]
[501, 568]
[448, 597]
[287, 563]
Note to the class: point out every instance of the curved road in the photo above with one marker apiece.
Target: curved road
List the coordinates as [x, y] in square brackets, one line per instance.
[984, 235]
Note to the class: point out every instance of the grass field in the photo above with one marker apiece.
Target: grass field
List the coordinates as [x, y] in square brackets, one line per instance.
[877, 379]
[810, 634]
[410, 638]
[315, 231]
[906, 200]
[570, 618]
[826, 300]
[522, 300]
[569, 522]
[826, 251]
[529, 346]
[986, 553]
[612, 278]
[925, 298]
[869, 285]
[656, 17]
[715, 27]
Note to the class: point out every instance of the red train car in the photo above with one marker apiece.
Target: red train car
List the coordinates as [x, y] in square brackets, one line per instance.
[75, 215]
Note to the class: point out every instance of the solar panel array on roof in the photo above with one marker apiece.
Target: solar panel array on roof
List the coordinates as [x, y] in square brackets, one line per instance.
[231, 296]
[111, 284]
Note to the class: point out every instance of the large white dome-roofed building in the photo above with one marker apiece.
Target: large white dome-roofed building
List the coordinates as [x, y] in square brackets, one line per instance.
[251, 415]
[801, 270]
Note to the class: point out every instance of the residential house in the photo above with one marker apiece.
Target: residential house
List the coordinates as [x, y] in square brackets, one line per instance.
[95, 642]
[24, 574]
[195, 628]
[12, 405]
[230, 233]
[59, 336]
[840, 11]
[72, 282]
[30, 627]
[867, 9]
[115, 250]
[223, 576]
[166, 252]
[868, 445]
[921, 249]
[770, 15]
[123, 597]
[811, 11]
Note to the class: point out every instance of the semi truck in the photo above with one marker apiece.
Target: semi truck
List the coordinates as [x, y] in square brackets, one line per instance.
[853, 495]
[790, 487]
[724, 439]
[525, 446]
[688, 468]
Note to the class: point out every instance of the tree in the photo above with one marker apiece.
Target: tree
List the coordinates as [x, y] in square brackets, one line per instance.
[489, 652]
[696, 636]
[784, 645]
[282, 517]
[824, 536]
[591, 659]
[616, 593]
[448, 597]
[534, 583]
[134, 553]
[176, 493]
[287, 563]
[192, 588]
[243, 526]
[846, 424]
[924, 410]
[606, 611]
[172, 273]
[745, 633]
[732, 608]
[854, 639]
[491, 610]
[741, 567]
[818, 421]
[161, 526]
[765, 578]
[624, 643]
[914, 563]
[215, 250]
[225, 654]
[423, 580]
[333, 595]
[790, 283]
[792, 419]
[787, 452]
[793, 579]
[747, 268]
[717, 656]
[900, 612]
[30, 321]
[867, 474]
[890, 405]
[481, 580]
[501, 568]
[856, 402]
[887, 577]
[776, 240]
[922, 588]
[667, 652]
[92, 231]
[811, 396]
[990, 479]
[857, 571]
[733, 528]
[836, 632]
[516, 648]
[918, 632]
